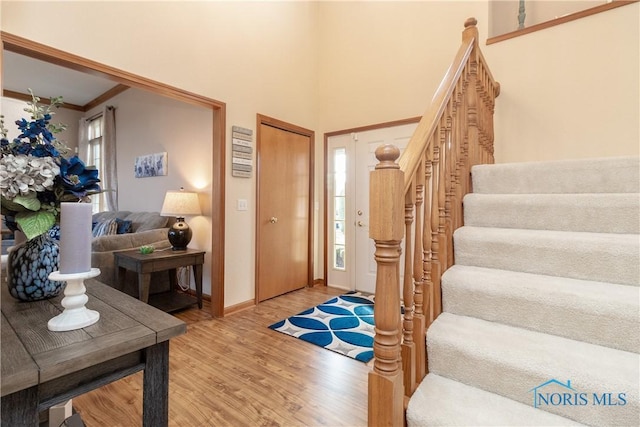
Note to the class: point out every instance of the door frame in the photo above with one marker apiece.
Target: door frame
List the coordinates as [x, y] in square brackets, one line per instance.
[325, 272]
[55, 56]
[270, 121]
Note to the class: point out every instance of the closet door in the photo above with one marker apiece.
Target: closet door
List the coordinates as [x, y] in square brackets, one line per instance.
[283, 251]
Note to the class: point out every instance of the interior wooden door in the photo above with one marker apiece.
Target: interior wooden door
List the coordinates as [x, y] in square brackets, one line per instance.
[283, 252]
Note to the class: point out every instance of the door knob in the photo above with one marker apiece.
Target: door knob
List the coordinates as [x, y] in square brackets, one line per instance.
[360, 224]
[273, 220]
[359, 212]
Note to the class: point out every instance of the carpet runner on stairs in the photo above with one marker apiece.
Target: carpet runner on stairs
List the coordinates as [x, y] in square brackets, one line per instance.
[541, 322]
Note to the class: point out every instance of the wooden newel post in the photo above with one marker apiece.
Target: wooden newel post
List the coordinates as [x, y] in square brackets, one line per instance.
[470, 30]
[386, 218]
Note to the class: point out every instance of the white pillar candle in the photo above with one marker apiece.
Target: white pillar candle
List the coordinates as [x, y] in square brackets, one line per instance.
[75, 237]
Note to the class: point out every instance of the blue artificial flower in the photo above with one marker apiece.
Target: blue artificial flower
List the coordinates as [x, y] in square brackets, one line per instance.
[44, 150]
[21, 148]
[77, 179]
[22, 123]
[72, 180]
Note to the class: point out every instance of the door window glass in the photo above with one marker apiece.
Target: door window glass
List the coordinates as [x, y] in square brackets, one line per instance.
[339, 201]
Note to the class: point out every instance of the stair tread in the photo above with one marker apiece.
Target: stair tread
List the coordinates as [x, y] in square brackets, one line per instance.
[560, 176]
[445, 402]
[511, 361]
[606, 257]
[543, 299]
[596, 312]
[590, 212]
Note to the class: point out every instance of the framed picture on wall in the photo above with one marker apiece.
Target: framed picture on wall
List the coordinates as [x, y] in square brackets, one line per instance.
[151, 165]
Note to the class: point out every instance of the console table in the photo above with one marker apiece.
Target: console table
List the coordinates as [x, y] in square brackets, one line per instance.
[41, 368]
[163, 260]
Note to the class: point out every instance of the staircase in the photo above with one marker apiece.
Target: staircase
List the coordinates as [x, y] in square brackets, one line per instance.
[541, 317]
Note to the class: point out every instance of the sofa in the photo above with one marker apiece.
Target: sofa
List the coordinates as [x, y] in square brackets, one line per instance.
[125, 230]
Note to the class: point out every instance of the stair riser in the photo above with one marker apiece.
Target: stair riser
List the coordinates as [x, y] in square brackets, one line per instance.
[598, 313]
[613, 175]
[596, 213]
[603, 258]
[512, 365]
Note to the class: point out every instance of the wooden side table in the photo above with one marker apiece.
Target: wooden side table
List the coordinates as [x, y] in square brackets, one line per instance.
[162, 260]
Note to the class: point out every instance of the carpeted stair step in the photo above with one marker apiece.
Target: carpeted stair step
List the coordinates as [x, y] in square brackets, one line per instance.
[516, 363]
[607, 175]
[440, 401]
[602, 257]
[597, 213]
[599, 313]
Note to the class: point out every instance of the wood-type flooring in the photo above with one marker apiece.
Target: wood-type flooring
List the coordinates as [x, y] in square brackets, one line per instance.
[235, 371]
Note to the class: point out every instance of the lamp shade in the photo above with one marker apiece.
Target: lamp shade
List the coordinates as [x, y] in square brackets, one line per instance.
[180, 203]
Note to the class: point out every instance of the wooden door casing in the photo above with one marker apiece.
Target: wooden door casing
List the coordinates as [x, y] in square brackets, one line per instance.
[284, 215]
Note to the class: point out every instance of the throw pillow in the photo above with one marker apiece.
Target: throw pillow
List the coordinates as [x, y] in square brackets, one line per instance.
[105, 228]
[124, 226]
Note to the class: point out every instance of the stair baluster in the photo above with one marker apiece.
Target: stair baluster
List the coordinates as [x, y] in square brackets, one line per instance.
[418, 197]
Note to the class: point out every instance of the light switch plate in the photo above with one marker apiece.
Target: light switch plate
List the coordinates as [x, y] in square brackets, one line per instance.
[242, 205]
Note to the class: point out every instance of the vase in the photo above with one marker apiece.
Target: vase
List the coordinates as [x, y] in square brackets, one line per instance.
[29, 265]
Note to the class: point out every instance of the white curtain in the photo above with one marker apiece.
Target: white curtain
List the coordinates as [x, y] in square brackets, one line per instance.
[83, 140]
[110, 172]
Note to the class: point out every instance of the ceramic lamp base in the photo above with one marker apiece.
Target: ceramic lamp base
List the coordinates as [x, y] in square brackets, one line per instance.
[179, 235]
[75, 314]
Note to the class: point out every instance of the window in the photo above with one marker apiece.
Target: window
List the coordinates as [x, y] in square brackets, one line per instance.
[339, 200]
[95, 156]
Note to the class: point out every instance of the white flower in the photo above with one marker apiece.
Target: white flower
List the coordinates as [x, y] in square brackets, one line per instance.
[21, 174]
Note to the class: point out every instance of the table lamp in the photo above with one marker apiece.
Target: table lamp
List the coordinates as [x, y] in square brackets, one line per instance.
[179, 204]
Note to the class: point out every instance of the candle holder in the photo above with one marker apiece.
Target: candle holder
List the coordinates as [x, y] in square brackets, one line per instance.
[75, 314]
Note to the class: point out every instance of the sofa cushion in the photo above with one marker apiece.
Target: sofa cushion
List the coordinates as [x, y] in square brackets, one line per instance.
[146, 228]
[103, 216]
[129, 240]
[143, 221]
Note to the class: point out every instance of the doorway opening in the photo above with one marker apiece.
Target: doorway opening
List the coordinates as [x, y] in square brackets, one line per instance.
[58, 57]
[349, 157]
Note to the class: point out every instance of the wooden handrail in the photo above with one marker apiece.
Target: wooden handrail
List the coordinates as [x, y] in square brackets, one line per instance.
[427, 125]
[418, 199]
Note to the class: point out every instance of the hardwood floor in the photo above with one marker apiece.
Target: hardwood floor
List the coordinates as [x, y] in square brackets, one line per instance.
[236, 371]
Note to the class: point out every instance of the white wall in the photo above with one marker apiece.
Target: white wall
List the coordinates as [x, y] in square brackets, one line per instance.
[328, 66]
[383, 61]
[257, 57]
[570, 91]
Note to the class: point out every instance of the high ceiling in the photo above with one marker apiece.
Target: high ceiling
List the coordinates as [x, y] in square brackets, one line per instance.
[21, 73]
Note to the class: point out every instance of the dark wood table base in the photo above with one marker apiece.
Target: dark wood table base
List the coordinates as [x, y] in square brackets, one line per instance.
[41, 368]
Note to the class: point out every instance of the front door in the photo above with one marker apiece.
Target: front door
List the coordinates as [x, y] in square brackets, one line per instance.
[351, 157]
[283, 231]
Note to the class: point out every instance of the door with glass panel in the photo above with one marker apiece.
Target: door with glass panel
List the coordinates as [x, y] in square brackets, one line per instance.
[350, 158]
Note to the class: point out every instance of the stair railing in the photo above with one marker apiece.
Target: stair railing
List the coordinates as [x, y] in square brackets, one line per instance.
[423, 192]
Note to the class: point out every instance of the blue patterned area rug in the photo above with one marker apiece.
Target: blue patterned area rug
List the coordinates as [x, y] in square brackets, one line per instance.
[343, 324]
